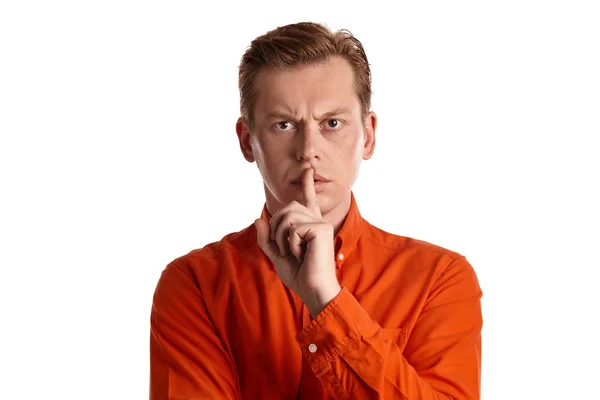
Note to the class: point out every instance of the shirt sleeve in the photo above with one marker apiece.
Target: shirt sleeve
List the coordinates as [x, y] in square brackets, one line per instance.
[441, 358]
[187, 358]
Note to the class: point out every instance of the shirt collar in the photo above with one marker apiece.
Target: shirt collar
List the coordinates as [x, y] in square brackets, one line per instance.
[347, 237]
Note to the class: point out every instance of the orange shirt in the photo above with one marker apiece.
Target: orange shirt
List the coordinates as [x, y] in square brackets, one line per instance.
[406, 324]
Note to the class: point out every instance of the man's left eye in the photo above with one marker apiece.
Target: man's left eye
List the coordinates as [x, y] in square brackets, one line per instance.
[334, 123]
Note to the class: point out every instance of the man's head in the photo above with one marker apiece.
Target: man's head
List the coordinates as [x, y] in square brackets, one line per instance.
[301, 44]
[305, 99]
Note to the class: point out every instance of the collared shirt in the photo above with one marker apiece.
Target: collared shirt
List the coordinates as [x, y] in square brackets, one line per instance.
[406, 324]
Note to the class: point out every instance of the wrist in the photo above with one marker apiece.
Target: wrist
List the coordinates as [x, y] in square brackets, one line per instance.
[321, 298]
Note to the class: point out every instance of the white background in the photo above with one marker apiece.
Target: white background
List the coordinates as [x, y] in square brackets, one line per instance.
[118, 154]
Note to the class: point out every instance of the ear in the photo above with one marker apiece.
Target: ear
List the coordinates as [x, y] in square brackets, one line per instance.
[243, 132]
[370, 128]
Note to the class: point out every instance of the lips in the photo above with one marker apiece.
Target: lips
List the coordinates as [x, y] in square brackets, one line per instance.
[316, 178]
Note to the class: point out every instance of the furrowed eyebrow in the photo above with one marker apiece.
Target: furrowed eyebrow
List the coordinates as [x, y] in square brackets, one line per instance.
[286, 116]
[280, 115]
[337, 111]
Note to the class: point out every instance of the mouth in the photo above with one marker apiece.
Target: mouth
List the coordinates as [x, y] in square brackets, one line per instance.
[317, 179]
[318, 184]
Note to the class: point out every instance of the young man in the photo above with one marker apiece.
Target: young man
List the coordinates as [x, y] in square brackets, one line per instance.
[311, 301]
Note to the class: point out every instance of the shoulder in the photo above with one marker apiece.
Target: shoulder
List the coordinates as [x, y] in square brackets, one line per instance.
[232, 243]
[438, 266]
[213, 259]
[381, 239]
[416, 255]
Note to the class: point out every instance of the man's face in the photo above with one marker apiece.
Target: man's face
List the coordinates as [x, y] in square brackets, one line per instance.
[308, 116]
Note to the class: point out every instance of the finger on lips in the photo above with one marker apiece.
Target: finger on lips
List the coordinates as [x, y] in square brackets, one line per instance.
[310, 194]
[292, 215]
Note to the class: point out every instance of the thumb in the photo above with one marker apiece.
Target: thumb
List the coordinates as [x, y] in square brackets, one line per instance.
[263, 233]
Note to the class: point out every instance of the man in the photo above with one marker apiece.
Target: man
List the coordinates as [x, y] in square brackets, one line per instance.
[311, 301]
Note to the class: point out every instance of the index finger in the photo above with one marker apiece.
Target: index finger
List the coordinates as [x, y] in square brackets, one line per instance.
[310, 194]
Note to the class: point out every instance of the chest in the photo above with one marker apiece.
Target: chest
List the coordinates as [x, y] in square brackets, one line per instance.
[262, 318]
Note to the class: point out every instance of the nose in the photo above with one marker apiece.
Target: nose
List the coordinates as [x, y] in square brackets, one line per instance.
[308, 142]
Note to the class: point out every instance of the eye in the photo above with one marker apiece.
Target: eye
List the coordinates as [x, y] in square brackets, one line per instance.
[284, 125]
[334, 123]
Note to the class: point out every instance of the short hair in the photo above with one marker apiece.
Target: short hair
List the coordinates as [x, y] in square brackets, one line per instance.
[301, 44]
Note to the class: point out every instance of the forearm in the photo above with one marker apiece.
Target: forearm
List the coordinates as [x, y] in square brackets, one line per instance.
[355, 358]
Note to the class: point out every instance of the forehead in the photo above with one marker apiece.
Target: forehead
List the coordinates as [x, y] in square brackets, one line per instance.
[315, 87]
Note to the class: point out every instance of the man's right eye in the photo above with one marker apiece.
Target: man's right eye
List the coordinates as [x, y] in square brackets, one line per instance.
[284, 125]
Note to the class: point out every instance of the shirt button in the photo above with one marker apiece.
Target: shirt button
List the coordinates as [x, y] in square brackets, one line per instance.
[341, 256]
[312, 348]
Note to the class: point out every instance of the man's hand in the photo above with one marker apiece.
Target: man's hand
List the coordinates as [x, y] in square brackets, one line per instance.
[300, 244]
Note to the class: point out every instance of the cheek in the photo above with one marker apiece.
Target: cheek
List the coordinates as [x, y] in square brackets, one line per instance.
[269, 157]
[261, 149]
[352, 152]
[351, 158]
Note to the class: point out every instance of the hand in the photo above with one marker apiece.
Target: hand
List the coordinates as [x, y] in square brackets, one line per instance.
[300, 244]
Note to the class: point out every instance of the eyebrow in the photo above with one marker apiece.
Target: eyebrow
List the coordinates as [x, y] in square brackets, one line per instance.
[286, 116]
